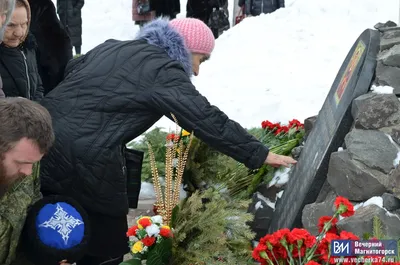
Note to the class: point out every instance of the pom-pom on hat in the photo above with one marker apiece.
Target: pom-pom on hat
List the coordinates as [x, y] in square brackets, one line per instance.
[56, 229]
[197, 35]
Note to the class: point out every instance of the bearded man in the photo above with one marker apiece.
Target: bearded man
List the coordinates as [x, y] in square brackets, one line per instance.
[26, 134]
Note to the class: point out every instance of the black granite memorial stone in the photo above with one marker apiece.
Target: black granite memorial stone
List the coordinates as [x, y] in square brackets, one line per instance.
[333, 123]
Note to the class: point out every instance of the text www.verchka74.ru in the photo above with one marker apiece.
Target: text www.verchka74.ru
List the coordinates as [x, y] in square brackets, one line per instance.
[363, 260]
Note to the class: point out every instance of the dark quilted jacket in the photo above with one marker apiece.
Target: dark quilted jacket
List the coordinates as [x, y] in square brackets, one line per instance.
[113, 94]
[70, 13]
[19, 71]
[257, 7]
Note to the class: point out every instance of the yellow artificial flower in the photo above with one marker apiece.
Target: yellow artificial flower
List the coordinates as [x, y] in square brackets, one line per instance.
[137, 247]
[185, 133]
[166, 227]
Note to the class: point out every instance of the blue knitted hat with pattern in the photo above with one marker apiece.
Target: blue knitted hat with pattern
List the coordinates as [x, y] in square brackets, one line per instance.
[56, 229]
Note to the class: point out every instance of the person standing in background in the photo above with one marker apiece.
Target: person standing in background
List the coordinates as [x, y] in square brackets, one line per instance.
[257, 7]
[54, 45]
[166, 8]
[70, 13]
[6, 9]
[18, 65]
[142, 11]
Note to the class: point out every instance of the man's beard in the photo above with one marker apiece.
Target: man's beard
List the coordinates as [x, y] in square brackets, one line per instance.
[6, 181]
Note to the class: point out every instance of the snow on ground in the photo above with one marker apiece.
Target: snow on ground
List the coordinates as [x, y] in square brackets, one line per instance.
[382, 89]
[277, 66]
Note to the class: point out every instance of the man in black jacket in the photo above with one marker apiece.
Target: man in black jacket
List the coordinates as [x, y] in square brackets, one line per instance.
[112, 95]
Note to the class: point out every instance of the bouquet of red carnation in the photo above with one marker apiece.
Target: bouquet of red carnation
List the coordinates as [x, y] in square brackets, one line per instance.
[298, 246]
[150, 240]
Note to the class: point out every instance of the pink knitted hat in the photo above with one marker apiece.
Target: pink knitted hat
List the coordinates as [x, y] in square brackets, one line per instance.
[198, 37]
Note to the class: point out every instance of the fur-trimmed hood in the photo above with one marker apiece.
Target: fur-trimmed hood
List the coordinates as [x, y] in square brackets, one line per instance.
[161, 34]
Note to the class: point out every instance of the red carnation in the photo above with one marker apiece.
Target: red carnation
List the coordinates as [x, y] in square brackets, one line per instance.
[325, 219]
[132, 231]
[297, 234]
[261, 248]
[165, 231]
[324, 245]
[311, 262]
[348, 236]
[344, 206]
[148, 241]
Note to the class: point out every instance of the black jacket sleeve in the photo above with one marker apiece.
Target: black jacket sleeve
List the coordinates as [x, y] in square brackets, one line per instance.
[174, 93]
[39, 88]
[281, 3]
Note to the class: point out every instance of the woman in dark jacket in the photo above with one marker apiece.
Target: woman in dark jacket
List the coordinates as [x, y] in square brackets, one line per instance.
[6, 9]
[18, 65]
[54, 45]
[70, 13]
[113, 94]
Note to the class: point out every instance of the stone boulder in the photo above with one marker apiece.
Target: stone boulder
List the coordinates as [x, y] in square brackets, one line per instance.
[387, 76]
[362, 222]
[308, 125]
[388, 60]
[354, 180]
[390, 202]
[390, 38]
[376, 111]
[395, 182]
[372, 148]
[312, 212]
[382, 26]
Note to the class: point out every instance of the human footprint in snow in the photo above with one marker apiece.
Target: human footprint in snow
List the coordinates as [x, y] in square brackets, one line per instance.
[113, 94]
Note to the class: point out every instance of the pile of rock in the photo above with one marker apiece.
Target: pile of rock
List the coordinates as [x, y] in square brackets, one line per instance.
[366, 171]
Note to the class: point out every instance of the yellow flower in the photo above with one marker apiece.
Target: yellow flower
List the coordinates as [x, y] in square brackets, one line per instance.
[137, 247]
[185, 133]
[166, 227]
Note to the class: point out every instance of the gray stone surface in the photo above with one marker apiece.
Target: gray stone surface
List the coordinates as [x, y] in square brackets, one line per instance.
[308, 125]
[312, 213]
[361, 222]
[395, 182]
[387, 75]
[389, 39]
[388, 24]
[325, 191]
[391, 57]
[376, 111]
[358, 102]
[372, 148]
[390, 202]
[354, 180]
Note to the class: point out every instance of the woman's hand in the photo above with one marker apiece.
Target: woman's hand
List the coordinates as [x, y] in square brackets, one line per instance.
[279, 160]
[64, 262]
